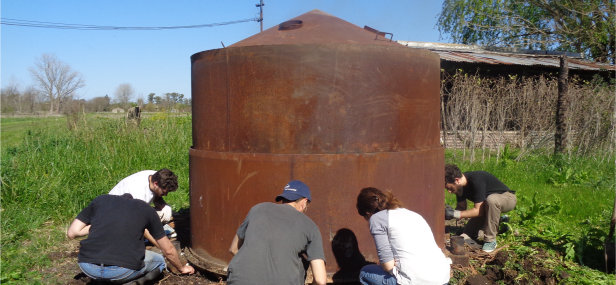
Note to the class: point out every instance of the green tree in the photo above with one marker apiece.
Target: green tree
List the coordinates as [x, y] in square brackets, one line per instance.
[586, 27]
[151, 97]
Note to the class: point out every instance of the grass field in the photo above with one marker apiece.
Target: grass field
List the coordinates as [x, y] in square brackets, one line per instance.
[50, 173]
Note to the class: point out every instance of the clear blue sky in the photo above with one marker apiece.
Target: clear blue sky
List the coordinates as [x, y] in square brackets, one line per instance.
[159, 61]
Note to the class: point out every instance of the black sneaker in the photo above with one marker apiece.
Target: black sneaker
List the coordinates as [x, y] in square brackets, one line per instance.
[503, 228]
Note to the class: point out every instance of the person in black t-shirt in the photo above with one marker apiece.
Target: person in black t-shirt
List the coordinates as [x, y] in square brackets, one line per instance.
[490, 196]
[114, 250]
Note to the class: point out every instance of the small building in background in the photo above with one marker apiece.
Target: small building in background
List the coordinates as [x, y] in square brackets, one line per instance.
[500, 61]
[117, 110]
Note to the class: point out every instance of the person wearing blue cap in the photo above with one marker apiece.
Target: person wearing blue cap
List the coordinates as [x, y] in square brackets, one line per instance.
[271, 243]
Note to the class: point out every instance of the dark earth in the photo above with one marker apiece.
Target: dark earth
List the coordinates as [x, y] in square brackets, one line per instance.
[501, 266]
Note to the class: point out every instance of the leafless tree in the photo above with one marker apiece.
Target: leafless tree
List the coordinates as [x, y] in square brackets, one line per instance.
[490, 113]
[124, 93]
[31, 98]
[55, 79]
[9, 98]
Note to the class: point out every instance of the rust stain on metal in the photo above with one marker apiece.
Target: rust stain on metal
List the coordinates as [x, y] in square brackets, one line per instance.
[323, 103]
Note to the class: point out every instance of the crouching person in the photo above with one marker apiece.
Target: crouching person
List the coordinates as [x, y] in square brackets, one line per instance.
[114, 250]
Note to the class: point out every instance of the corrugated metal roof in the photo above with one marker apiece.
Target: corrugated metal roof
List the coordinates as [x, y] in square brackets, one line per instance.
[464, 53]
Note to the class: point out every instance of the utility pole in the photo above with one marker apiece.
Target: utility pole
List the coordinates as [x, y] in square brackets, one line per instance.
[260, 13]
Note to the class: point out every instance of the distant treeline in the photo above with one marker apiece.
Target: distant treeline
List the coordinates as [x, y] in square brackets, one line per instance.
[30, 102]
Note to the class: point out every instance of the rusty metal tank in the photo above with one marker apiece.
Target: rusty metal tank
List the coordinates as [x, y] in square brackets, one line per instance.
[319, 100]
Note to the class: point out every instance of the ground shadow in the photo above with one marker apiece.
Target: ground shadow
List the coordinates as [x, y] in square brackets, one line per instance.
[348, 257]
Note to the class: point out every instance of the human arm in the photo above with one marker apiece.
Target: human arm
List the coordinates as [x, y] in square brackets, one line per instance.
[149, 237]
[162, 209]
[236, 244]
[477, 211]
[379, 228]
[77, 229]
[388, 266]
[319, 275]
[172, 255]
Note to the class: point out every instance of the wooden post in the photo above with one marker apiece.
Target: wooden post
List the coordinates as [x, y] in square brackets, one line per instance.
[560, 136]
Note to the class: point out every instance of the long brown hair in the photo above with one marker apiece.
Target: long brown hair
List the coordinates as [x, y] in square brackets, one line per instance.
[372, 200]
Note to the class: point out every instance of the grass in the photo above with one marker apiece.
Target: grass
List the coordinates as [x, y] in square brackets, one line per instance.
[15, 128]
[50, 173]
[564, 206]
[54, 173]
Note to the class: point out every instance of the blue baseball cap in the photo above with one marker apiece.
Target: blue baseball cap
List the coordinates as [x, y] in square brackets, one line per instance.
[295, 190]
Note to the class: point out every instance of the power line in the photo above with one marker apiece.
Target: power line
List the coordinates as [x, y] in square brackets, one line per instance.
[51, 25]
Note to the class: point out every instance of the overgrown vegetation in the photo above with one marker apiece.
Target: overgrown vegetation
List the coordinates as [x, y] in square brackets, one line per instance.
[563, 212]
[564, 203]
[54, 173]
[483, 114]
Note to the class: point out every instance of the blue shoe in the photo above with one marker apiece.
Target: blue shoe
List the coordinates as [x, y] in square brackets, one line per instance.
[489, 246]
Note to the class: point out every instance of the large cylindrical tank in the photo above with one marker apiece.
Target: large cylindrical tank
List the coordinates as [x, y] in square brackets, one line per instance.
[323, 101]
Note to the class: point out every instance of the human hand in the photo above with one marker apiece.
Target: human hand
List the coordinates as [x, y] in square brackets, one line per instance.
[165, 214]
[187, 269]
[450, 213]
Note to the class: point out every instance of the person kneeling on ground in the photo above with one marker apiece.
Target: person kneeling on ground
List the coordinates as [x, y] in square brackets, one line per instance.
[407, 251]
[270, 244]
[150, 186]
[491, 197]
[114, 250]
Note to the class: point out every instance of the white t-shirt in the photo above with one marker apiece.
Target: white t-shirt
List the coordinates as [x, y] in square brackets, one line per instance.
[137, 185]
[405, 237]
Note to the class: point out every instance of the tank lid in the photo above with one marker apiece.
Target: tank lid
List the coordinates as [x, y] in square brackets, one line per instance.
[315, 27]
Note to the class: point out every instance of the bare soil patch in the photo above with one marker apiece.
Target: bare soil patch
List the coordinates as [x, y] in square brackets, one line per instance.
[484, 268]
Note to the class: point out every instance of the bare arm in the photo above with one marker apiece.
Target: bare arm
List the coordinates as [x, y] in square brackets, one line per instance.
[461, 206]
[159, 203]
[77, 229]
[319, 275]
[474, 212]
[170, 253]
[149, 237]
[389, 265]
[236, 244]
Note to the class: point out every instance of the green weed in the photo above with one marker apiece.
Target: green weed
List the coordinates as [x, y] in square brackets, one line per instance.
[54, 173]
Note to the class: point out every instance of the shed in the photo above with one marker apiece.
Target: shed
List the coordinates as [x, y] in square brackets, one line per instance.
[117, 110]
[500, 61]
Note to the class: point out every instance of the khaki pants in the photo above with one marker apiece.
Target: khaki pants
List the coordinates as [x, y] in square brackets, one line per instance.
[495, 205]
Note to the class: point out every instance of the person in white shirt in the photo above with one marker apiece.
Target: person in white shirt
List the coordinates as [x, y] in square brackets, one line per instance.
[407, 251]
[150, 186]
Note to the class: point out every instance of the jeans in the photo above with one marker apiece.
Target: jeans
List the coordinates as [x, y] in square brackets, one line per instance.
[375, 275]
[117, 274]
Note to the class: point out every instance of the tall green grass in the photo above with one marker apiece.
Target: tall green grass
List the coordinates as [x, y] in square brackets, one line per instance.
[54, 173]
[564, 205]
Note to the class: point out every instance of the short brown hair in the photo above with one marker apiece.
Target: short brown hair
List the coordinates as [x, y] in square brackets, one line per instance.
[166, 179]
[372, 200]
[451, 173]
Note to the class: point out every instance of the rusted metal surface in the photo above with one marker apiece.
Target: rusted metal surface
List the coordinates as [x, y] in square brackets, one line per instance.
[338, 116]
[318, 27]
[475, 54]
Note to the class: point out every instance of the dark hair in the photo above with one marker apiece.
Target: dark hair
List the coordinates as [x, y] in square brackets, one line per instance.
[166, 179]
[287, 201]
[451, 173]
[372, 200]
